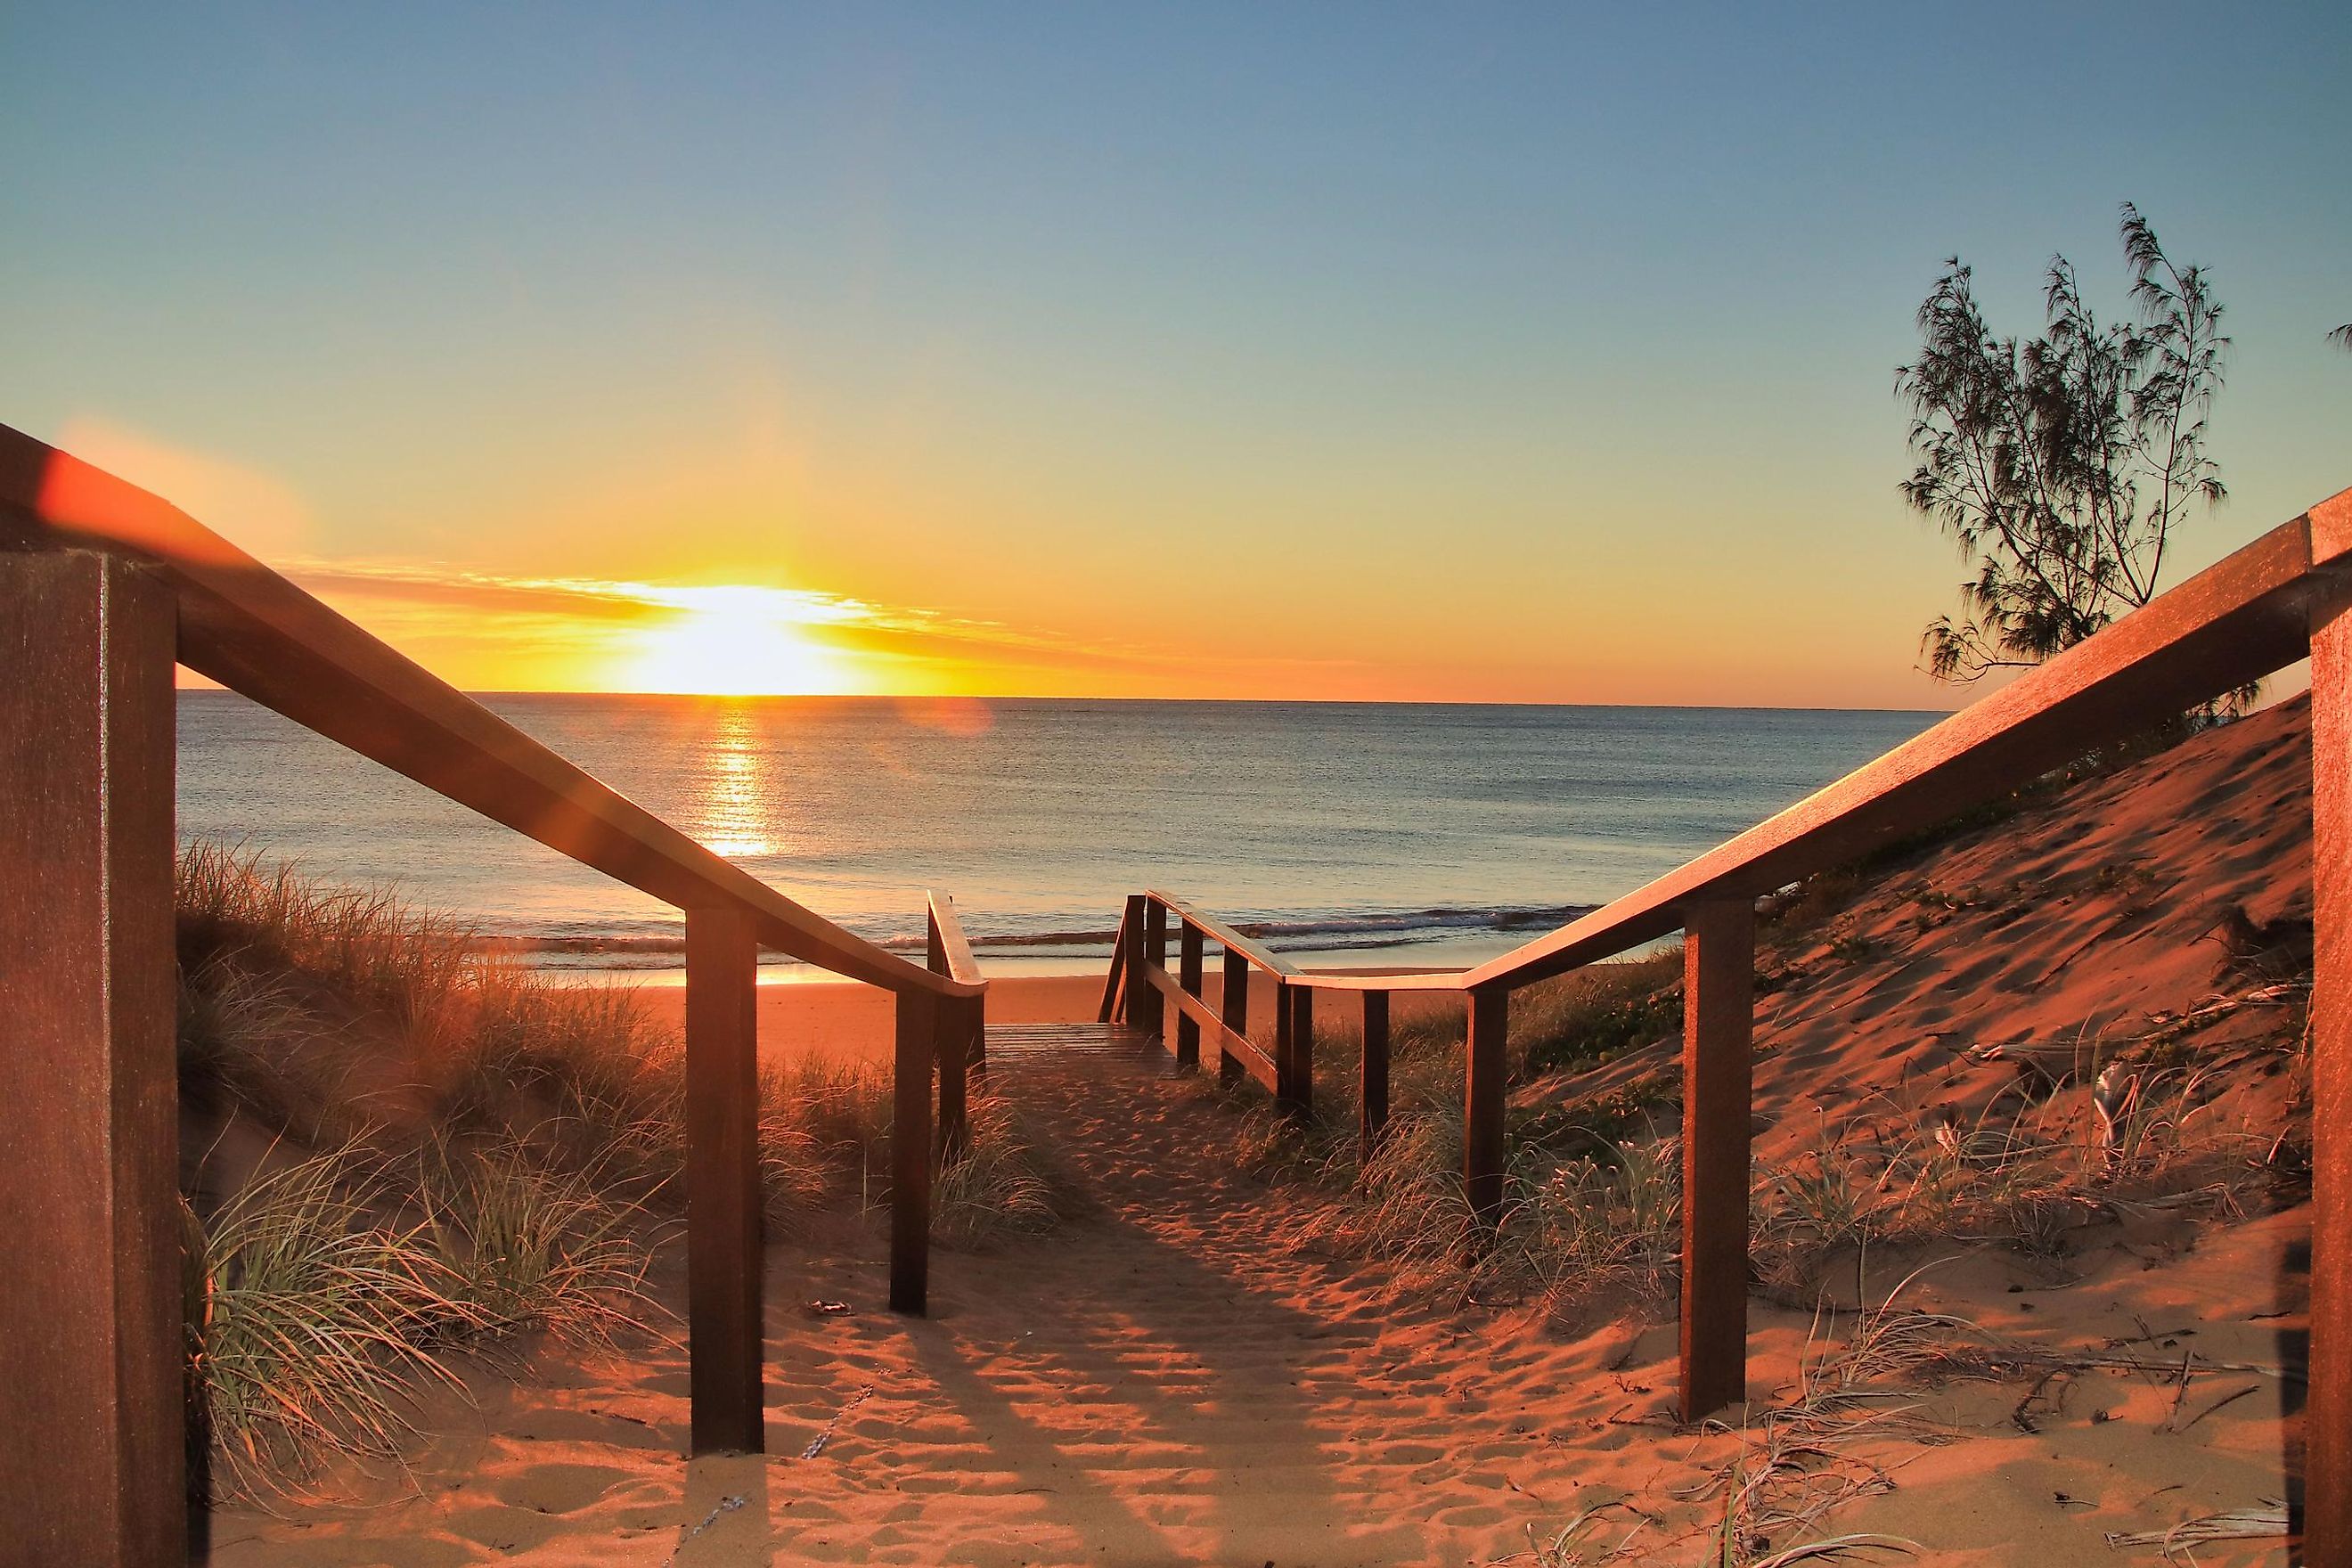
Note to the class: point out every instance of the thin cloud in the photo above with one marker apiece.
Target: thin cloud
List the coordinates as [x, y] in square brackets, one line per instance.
[855, 625]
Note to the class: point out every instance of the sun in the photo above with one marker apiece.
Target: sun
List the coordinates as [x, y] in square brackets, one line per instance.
[737, 642]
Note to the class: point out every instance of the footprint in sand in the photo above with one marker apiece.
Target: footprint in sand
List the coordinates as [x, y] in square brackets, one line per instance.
[559, 1488]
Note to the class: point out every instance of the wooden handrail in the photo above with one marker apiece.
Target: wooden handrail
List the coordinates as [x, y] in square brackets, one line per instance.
[1225, 935]
[2286, 595]
[2236, 622]
[956, 960]
[86, 555]
[249, 628]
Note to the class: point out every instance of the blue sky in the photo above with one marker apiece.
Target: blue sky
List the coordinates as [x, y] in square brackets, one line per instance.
[1488, 351]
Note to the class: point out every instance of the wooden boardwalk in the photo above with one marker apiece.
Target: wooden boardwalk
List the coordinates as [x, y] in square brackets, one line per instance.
[1031, 1046]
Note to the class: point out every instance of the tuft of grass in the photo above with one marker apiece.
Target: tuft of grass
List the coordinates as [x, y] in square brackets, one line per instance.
[309, 1322]
[412, 969]
[1589, 1017]
[1003, 1184]
[526, 1247]
[500, 1158]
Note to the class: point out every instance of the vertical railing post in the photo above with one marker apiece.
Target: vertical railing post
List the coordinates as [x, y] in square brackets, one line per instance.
[976, 1036]
[1188, 975]
[951, 1046]
[910, 1153]
[92, 1447]
[725, 1329]
[1285, 1017]
[1299, 1099]
[1124, 945]
[1232, 1006]
[951, 1041]
[1147, 1009]
[1718, 1010]
[1482, 1104]
[2327, 1408]
[1372, 1079]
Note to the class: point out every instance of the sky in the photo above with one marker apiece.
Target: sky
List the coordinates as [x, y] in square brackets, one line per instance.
[1461, 352]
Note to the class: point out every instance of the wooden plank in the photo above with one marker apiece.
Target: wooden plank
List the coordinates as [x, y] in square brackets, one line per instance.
[1718, 1009]
[1299, 1099]
[1188, 1028]
[960, 1038]
[91, 1451]
[2328, 1408]
[725, 1250]
[1112, 999]
[1223, 935]
[255, 632]
[1145, 1008]
[1285, 1017]
[951, 950]
[951, 1044]
[1233, 1012]
[910, 1155]
[1135, 983]
[1231, 1043]
[1372, 1078]
[1449, 980]
[1483, 1154]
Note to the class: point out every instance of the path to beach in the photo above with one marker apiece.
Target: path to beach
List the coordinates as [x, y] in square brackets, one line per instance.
[1180, 1377]
[1172, 1378]
[1179, 1381]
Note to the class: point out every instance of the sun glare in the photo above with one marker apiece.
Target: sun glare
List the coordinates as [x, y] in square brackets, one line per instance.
[738, 642]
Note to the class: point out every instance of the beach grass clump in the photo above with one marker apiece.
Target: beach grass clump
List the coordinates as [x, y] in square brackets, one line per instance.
[2031, 1176]
[525, 1247]
[1592, 1015]
[414, 971]
[1003, 1183]
[1592, 1193]
[577, 1072]
[310, 1321]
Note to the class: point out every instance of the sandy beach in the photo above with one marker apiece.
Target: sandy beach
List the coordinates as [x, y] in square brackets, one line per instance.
[856, 1021]
[1190, 1371]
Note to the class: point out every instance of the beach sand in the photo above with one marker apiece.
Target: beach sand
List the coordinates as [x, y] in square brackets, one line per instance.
[1184, 1374]
[856, 1021]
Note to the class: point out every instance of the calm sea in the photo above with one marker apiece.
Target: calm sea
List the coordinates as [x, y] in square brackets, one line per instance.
[1402, 834]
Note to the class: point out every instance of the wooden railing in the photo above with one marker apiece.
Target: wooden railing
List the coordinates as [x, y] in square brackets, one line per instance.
[2282, 597]
[102, 587]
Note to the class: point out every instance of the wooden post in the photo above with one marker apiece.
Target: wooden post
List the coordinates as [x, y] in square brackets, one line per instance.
[1188, 975]
[724, 1251]
[1147, 1009]
[1123, 944]
[1300, 1098]
[976, 1036]
[1482, 1105]
[951, 1043]
[1234, 1008]
[2327, 1408]
[1719, 1008]
[1372, 1079]
[92, 1406]
[910, 1155]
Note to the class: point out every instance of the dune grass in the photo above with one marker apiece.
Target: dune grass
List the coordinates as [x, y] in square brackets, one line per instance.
[308, 1318]
[458, 1156]
[1592, 1196]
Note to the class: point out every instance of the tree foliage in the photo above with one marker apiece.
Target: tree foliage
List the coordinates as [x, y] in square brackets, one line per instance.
[2061, 464]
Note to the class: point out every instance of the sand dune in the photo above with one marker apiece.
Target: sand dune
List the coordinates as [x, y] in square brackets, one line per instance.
[1180, 1375]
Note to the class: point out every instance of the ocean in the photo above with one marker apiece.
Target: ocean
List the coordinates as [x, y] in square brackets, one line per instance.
[1401, 834]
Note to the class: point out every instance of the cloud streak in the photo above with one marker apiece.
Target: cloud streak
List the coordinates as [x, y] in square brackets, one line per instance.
[476, 613]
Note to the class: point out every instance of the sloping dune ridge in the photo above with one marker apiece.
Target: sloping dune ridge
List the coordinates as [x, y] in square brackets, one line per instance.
[1183, 1374]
